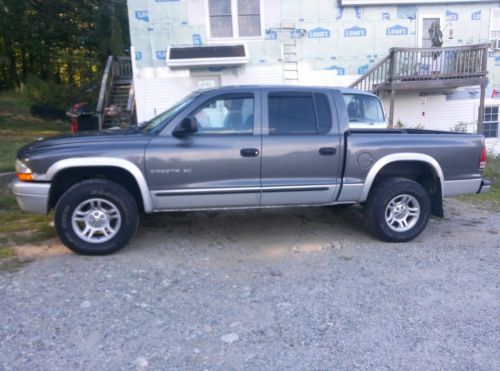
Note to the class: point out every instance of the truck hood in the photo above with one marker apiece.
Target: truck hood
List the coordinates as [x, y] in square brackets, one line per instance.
[114, 135]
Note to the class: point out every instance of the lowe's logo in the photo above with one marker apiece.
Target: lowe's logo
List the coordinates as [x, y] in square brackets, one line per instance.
[362, 69]
[318, 33]
[355, 32]
[476, 16]
[271, 35]
[142, 15]
[197, 39]
[340, 70]
[161, 54]
[451, 16]
[396, 30]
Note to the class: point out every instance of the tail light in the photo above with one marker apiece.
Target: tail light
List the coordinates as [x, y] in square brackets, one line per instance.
[482, 161]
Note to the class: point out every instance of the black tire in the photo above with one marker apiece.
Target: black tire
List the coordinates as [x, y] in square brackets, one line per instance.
[378, 201]
[114, 194]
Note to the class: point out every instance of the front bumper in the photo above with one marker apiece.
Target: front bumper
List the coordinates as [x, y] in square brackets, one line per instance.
[31, 197]
[485, 186]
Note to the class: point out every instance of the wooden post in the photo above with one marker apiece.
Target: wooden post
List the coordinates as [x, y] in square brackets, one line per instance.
[392, 71]
[391, 108]
[480, 118]
[484, 68]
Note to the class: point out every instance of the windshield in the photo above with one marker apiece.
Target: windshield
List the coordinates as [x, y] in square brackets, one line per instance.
[158, 122]
[364, 108]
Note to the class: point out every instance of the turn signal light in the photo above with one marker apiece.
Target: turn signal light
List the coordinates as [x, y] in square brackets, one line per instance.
[25, 177]
[482, 162]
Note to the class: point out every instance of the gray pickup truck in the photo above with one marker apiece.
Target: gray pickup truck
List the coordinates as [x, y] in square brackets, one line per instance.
[246, 147]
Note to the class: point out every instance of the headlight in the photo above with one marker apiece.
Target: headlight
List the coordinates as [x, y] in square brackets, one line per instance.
[23, 172]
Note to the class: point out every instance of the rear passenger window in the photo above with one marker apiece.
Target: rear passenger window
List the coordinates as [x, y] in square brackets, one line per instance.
[298, 113]
[324, 113]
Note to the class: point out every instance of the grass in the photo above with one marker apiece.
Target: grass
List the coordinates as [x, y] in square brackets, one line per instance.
[491, 199]
[18, 127]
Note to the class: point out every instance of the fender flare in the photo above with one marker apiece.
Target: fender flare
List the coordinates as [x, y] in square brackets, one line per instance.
[399, 157]
[106, 162]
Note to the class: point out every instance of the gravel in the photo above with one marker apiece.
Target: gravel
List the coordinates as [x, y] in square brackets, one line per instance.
[272, 289]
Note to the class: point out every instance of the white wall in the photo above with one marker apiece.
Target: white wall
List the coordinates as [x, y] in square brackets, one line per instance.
[432, 111]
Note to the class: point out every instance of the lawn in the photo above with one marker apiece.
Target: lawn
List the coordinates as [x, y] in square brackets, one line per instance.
[18, 128]
[491, 199]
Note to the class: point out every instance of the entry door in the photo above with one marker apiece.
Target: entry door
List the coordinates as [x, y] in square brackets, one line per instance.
[219, 166]
[300, 149]
[425, 22]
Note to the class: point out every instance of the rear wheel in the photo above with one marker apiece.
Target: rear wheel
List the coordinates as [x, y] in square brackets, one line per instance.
[397, 210]
[96, 217]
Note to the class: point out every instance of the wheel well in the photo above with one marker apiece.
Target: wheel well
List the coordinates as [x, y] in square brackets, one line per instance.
[420, 172]
[66, 178]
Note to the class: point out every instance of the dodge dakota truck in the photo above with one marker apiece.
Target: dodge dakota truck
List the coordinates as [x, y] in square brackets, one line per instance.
[246, 147]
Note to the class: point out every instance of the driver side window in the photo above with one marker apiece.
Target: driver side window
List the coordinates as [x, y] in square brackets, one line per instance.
[226, 114]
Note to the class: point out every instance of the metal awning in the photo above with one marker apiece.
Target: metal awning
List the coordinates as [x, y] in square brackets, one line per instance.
[207, 55]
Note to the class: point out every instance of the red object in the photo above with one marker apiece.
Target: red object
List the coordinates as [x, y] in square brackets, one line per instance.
[74, 124]
[76, 110]
[494, 93]
[484, 157]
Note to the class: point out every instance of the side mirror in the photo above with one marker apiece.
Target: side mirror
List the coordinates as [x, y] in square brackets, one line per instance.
[188, 126]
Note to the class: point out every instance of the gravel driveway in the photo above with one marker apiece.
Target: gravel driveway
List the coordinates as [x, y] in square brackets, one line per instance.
[273, 289]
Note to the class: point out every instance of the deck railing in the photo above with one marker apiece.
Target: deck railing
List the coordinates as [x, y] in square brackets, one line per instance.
[406, 65]
[117, 68]
[447, 63]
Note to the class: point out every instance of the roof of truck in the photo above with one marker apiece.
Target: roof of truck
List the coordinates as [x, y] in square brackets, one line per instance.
[290, 87]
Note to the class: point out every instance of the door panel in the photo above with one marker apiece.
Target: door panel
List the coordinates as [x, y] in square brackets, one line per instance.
[301, 168]
[208, 169]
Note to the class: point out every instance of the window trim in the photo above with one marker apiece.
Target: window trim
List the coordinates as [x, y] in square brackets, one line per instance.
[492, 122]
[228, 95]
[235, 24]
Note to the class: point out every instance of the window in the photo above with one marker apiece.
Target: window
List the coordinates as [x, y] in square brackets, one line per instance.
[299, 113]
[221, 22]
[490, 122]
[363, 108]
[227, 114]
[495, 25]
[234, 18]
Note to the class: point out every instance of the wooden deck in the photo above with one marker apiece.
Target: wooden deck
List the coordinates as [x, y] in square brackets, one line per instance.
[424, 69]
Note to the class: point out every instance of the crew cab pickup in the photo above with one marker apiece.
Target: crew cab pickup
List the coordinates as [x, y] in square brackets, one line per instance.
[245, 147]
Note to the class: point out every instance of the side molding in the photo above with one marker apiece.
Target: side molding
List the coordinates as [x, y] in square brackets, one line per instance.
[396, 157]
[106, 161]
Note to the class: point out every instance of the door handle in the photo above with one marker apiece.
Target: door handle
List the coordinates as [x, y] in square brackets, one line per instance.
[327, 151]
[249, 152]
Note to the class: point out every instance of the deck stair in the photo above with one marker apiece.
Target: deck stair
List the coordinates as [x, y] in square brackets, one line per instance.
[116, 104]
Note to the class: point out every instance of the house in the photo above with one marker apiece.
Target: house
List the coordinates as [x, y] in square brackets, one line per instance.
[182, 45]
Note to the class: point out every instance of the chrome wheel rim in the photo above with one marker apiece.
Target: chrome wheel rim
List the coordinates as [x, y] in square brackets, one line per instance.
[402, 213]
[96, 220]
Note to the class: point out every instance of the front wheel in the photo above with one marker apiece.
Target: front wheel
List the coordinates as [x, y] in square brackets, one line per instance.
[96, 217]
[397, 210]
